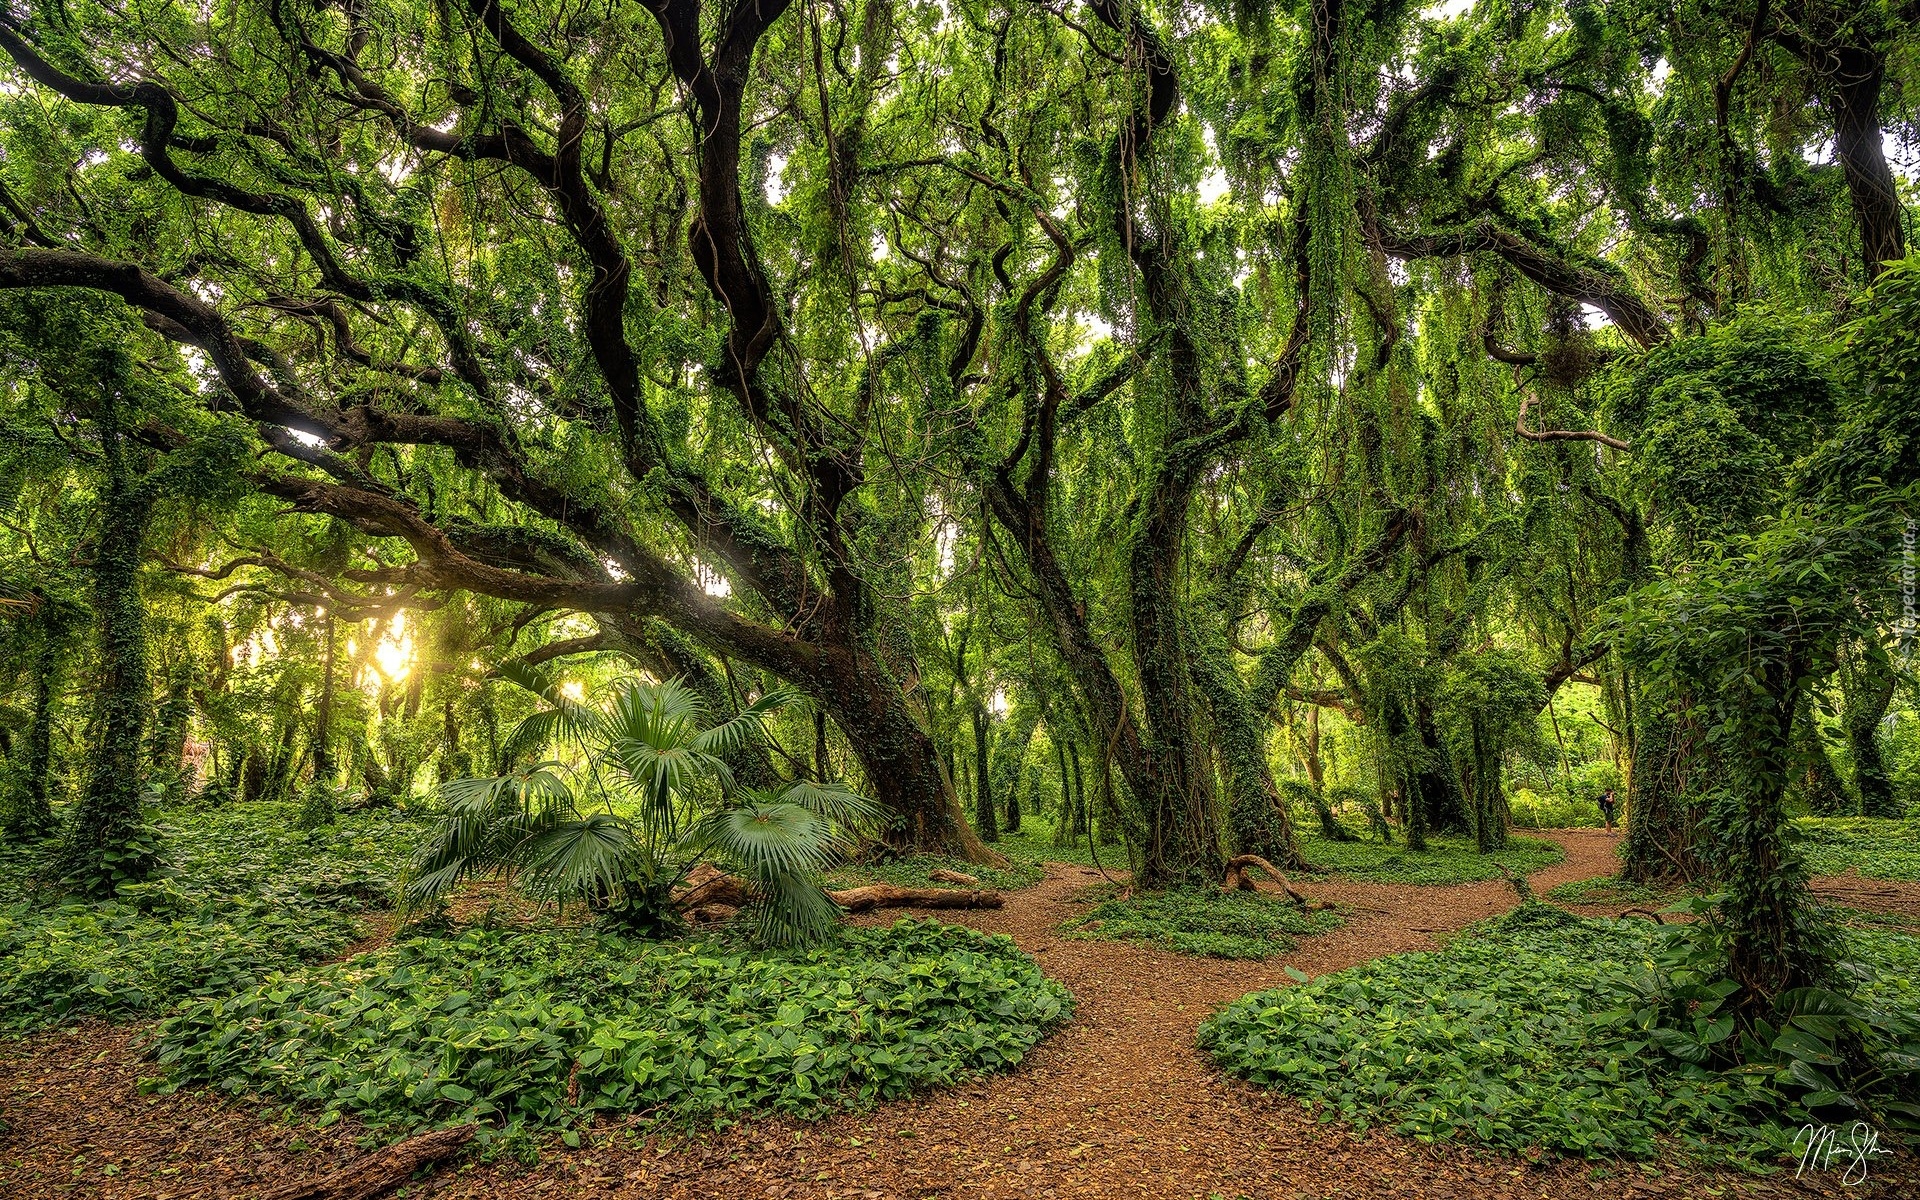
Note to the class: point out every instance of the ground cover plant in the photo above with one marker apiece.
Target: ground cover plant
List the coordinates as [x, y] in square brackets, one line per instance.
[537, 1030]
[1522, 1033]
[1446, 859]
[1876, 848]
[1210, 924]
[242, 894]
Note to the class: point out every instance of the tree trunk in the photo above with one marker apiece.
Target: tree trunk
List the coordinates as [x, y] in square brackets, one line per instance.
[902, 764]
[31, 813]
[1854, 76]
[105, 846]
[1869, 696]
[985, 821]
[1820, 783]
[1240, 737]
[1662, 824]
[323, 712]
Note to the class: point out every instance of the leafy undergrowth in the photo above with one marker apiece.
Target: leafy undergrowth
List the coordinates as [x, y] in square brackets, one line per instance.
[1211, 924]
[1607, 889]
[1877, 847]
[1446, 860]
[531, 1031]
[913, 870]
[243, 894]
[1504, 1039]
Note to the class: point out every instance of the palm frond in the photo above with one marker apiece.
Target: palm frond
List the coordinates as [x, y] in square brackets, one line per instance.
[484, 821]
[564, 717]
[851, 813]
[588, 857]
[733, 733]
[793, 911]
[766, 840]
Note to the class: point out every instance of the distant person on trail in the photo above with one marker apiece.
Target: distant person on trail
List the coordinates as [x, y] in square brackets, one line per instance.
[1606, 808]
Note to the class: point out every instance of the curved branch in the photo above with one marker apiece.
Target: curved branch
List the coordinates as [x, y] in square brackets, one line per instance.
[1528, 399]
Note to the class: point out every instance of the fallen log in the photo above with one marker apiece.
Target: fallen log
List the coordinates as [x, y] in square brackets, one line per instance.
[886, 895]
[708, 887]
[378, 1173]
[1239, 880]
[945, 876]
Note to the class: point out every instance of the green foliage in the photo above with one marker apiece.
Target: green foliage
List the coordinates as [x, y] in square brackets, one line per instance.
[1446, 860]
[539, 1030]
[1211, 924]
[1876, 848]
[1499, 1040]
[1880, 437]
[119, 960]
[1036, 842]
[245, 894]
[1840, 1054]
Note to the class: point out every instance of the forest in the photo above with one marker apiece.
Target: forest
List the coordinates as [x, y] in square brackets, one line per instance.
[959, 598]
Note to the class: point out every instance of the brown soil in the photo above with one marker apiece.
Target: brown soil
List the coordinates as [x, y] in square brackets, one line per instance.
[1119, 1103]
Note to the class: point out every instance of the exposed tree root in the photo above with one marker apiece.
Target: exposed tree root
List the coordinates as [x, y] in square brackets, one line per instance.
[1238, 880]
[377, 1173]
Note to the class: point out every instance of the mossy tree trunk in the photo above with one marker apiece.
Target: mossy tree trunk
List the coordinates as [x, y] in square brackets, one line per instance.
[106, 842]
[1869, 693]
[31, 812]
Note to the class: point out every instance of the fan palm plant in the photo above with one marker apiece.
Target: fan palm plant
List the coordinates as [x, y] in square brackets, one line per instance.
[642, 795]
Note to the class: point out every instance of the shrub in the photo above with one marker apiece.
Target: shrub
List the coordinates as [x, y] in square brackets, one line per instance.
[656, 799]
[1211, 924]
[540, 1030]
[113, 960]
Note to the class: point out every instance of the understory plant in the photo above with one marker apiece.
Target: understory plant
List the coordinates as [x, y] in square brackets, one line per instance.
[1533, 1030]
[526, 1031]
[644, 795]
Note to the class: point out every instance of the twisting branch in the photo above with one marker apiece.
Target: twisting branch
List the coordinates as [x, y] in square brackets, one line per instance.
[1528, 399]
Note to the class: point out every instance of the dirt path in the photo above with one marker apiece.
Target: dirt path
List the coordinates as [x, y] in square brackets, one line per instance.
[1117, 1104]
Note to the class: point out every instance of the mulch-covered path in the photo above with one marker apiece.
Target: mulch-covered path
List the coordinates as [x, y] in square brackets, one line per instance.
[1117, 1104]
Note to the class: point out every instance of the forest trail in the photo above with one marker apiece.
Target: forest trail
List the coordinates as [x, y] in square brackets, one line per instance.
[1119, 1103]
